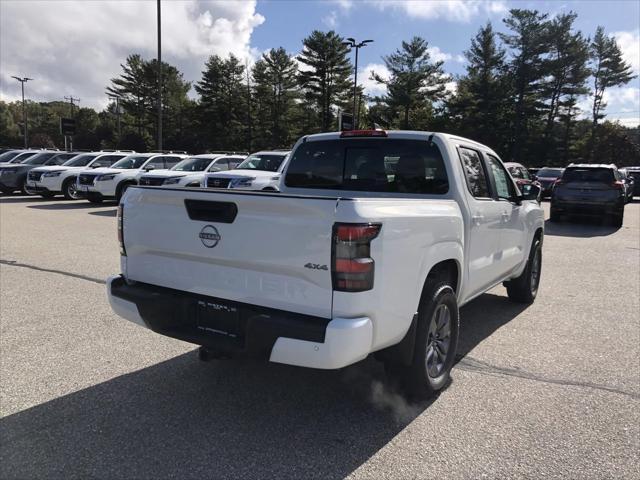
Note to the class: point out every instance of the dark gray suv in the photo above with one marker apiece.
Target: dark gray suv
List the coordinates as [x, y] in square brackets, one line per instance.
[589, 189]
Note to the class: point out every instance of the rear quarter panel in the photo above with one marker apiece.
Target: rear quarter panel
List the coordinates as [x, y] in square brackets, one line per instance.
[415, 235]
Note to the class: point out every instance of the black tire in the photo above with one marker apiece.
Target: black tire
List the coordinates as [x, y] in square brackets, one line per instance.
[93, 198]
[6, 191]
[69, 189]
[618, 219]
[434, 340]
[524, 289]
[121, 189]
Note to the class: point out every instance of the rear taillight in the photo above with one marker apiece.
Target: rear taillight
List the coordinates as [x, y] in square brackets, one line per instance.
[353, 268]
[121, 230]
[618, 185]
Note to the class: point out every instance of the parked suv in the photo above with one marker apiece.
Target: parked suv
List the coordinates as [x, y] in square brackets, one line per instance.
[191, 171]
[17, 156]
[373, 243]
[634, 172]
[259, 171]
[56, 180]
[13, 176]
[589, 189]
[111, 182]
[520, 174]
[547, 177]
[629, 183]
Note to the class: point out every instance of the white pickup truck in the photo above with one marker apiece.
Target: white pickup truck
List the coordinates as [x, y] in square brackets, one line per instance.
[374, 241]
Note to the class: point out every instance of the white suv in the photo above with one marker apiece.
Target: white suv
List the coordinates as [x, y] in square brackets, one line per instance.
[61, 179]
[260, 171]
[101, 183]
[191, 171]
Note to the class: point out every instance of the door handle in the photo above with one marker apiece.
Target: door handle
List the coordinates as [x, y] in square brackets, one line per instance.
[505, 216]
[477, 219]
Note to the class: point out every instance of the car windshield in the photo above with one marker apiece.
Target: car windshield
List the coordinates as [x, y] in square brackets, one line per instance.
[79, 160]
[262, 161]
[549, 172]
[193, 164]
[372, 165]
[22, 157]
[130, 162]
[6, 156]
[595, 175]
[40, 158]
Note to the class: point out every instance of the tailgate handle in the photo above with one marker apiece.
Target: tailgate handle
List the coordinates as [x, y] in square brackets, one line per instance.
[207, 211]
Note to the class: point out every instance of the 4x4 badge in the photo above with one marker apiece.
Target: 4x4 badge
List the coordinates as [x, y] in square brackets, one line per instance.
[316, 266]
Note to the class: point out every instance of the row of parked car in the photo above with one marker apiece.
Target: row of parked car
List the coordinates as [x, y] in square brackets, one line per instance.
[583, 189]
[105, 175]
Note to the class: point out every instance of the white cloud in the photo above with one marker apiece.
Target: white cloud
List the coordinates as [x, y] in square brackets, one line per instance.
[371, 87]
[452, 10]
[629, 43]
[72, 47]
[438, 55]
[623, 105]
[331, 19]
[345, 5]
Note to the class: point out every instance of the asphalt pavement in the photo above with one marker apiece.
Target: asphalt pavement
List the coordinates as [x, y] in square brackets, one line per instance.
[550, 390]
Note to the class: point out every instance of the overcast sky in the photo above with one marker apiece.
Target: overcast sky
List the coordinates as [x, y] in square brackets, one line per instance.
[76, 47]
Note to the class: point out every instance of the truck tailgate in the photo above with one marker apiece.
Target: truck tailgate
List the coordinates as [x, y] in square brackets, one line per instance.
[246, 247]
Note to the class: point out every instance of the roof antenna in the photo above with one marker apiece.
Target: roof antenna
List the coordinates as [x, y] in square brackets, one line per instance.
[430, 140]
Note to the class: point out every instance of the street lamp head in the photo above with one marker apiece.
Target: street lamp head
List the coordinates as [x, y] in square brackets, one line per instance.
[352, 40]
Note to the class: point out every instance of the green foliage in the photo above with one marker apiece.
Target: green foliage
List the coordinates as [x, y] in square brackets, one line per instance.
[415, 81]
[325, 78]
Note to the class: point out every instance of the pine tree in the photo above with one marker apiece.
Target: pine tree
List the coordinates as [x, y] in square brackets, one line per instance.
[326, 79]
[415, 80]
[528, 69]
[222, 110]
[480, 107]
[275, 92]
[609, 70]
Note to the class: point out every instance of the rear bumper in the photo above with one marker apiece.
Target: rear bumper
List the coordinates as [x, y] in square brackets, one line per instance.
[276, 335]
[575, 208]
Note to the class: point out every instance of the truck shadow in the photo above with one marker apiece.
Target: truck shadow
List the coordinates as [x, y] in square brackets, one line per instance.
[68, 205]
[579, 227]
[230, 419]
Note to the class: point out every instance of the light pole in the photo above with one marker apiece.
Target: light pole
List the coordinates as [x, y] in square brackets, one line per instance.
[351, 43]
[24, 110]
[159, 81]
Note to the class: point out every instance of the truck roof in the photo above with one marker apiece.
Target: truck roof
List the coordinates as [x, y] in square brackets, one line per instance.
[402, 134]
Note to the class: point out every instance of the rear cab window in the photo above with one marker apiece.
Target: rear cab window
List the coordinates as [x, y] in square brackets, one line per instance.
[369, 165]
[474, 173]
[590, 175]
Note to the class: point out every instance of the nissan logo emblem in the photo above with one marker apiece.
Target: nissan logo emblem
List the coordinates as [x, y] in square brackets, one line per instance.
[209, 236]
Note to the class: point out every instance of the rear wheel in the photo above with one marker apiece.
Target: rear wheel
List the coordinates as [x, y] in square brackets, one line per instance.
[435, 345]
[618, 219]
[525, 288]
[121, 189]
[93, 198]
[69, 189]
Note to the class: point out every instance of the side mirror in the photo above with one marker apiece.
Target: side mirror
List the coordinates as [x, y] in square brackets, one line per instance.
[531, 191]
[95, 165]
[149, 168]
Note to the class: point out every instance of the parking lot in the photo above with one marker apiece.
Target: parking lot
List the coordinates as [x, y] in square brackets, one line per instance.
[551, 390]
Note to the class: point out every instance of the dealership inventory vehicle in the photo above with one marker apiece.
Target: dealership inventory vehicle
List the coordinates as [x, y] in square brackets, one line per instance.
[56, 180]
[17, 156]
[634, 172]
[373, 243]
[547, 177]
[260, 171]
[629, 183]
[13, 176]
[520, 174]
[111, 182]
[191, 171]
[589, 189]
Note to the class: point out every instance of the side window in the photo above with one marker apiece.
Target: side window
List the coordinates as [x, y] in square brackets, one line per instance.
[107, 160]
[234, 162]
[171, 161]
[504, 186]
[218, 165]
[157, 162]
[474, 173]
